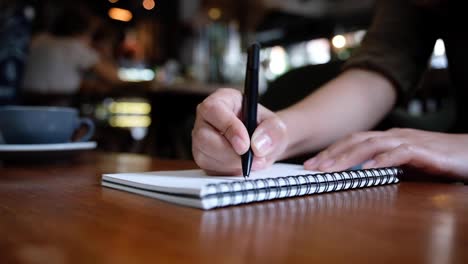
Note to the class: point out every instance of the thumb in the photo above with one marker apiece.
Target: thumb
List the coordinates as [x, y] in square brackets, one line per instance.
[269, 136]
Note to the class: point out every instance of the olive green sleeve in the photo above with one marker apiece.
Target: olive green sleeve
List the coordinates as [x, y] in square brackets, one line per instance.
[397, 45]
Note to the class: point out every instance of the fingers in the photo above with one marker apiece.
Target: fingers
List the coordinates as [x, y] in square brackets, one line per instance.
[219, 137]
[433, 155]
[203, 159]
[431, 152]
[361, 152]
[220, 111]
[212, 151]
[376, 149]
[258, 164]
[405, 154]
[270, 135]
[349, 151]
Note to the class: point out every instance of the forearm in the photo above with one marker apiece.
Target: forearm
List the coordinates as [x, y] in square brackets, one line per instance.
[354, 101]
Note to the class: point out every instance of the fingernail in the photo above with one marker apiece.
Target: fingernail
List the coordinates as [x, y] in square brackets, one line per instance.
[240, 146]
[262, 143]
[327, 163]
[369, 164]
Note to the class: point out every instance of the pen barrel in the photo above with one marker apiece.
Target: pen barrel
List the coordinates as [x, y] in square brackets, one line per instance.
[253, 56]
[250, 101]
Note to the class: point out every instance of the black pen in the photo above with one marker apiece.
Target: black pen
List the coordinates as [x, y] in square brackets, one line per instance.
[250, 101]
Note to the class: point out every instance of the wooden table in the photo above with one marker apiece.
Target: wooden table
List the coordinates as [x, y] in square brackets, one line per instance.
[59, 213]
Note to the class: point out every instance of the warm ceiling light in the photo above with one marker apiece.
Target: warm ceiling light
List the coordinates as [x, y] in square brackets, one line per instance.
[214, 13]
[113, 1]
[120, 14]
[148, 4]
[339, 41]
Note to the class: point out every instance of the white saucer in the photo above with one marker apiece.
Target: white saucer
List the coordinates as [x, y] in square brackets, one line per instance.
[43, 152]
[47, 147]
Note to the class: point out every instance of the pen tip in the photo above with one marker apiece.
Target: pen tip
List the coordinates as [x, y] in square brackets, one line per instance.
[247, 160]
[246, 169]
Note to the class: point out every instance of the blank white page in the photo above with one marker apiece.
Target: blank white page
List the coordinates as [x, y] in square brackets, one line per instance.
[192, 181]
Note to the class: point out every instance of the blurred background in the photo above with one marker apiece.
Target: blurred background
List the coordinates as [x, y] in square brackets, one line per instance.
[138, 68]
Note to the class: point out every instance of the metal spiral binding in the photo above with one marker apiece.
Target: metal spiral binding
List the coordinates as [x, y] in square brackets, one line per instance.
[226, 193]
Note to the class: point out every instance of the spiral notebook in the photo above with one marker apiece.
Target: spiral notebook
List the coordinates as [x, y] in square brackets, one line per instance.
[196, 189]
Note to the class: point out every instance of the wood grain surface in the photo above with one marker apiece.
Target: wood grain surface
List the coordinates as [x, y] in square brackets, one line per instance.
[59, 213]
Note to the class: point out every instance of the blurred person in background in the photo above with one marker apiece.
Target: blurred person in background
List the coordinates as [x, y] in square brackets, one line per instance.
[58, 59]
[393, 56]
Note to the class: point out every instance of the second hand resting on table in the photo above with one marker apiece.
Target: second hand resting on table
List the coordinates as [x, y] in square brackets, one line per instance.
[318, 121]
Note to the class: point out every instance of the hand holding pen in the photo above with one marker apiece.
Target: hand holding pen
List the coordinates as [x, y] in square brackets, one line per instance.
[220, 138]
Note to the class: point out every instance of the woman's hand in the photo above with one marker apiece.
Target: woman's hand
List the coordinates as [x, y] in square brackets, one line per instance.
[431, 152]
[219, 137]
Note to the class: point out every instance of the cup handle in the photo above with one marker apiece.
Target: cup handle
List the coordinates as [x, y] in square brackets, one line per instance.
[87, 122]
